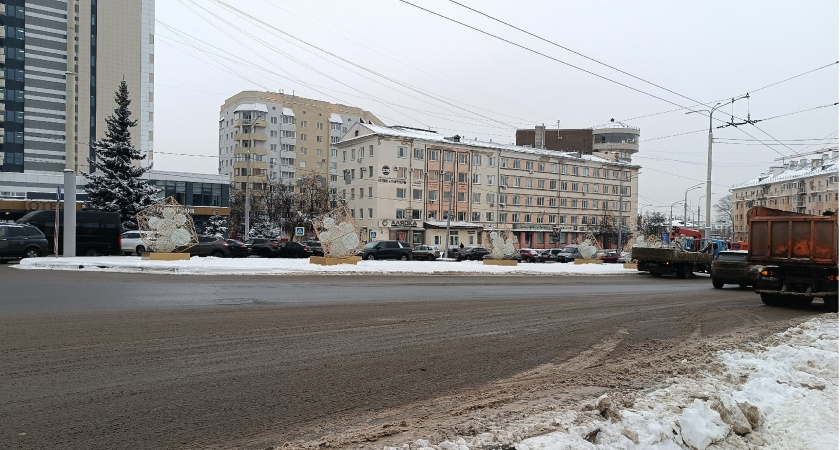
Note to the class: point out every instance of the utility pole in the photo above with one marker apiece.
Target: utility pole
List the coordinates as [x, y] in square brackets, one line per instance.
[620, 200]
[69, 247]
[248, 182]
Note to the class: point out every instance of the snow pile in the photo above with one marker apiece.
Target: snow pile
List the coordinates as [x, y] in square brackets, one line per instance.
[781, 397]
[271, 266]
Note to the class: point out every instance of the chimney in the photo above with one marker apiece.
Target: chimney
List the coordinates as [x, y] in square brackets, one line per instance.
[816, 163]
[539, 136]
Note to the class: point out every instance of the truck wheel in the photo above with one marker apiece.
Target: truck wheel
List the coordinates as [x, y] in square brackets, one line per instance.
[830, 303]
[717, 284]
[773, 299]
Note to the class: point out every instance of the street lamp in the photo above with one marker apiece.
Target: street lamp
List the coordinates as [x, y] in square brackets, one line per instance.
[709, 163]
[671, 217]
[685, 206]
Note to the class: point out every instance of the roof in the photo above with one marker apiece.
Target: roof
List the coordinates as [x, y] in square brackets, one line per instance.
[795, 171]
[251, 107]
[288, 112]
[434, 136]
[335, 118]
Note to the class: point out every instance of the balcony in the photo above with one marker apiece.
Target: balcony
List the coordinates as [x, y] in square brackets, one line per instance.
[254, 165]
[250, 136]
[253, 151]
[248, 122]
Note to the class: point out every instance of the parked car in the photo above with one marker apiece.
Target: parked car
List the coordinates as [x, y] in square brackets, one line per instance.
[528, 255]
[238, 249]
[262, 247]
[290, 249]
[732, 267]
[208, 246]
[453, 252]
[472, 253]
[19, 241]
[387, 250]
[554, 255]
[571, 253]
[315, 247]
[608, 256]
[427, 252]
[131, 243]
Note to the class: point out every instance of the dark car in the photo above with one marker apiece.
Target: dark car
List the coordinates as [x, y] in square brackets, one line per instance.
[732, 267]
[238, 249]
[208, 246]
[387, 250]
[427, 252]
[315, 247]
[21, 241]
[529, 255]
[290, 249]
[263, 247]
[472, 253]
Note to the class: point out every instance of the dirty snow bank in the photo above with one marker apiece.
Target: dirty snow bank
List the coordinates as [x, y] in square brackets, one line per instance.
[778, 395]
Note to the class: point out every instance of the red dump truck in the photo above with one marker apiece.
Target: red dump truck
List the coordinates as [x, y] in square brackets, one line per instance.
[798, 253]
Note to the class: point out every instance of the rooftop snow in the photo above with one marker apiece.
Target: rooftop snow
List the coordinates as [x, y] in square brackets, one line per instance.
[335, 118]
[251, 107]
[794, 171]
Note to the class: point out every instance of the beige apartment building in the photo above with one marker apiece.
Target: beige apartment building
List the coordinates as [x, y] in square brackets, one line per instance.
[114, 41]
[281, 137]
[401, 182]
[805, 185]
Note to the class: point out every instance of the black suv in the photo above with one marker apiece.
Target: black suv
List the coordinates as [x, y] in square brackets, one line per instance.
[387, 250]
[21, 241]
[315, 247]
[263, 247]
[290, 249]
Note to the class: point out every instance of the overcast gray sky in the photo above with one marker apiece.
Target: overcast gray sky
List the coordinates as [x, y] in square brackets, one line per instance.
[411, 67]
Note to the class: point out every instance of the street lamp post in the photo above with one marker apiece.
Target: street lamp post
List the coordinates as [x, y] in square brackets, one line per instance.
[685, 206]
[671, 217]
[709, 163]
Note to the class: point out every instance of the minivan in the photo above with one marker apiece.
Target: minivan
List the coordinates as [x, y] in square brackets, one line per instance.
[387, 250]
[97, 232]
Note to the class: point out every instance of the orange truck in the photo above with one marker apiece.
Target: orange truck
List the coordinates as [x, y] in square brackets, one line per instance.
[798, 255]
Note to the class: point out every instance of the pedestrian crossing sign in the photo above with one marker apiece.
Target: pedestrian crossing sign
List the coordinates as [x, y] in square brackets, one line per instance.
[298, 231]
[372, 235]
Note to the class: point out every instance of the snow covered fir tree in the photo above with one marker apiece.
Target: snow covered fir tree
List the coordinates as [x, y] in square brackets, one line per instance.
[114, 183]
[216, 225]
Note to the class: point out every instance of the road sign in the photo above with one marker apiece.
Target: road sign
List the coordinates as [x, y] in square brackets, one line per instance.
[372, 235]
[298, 231]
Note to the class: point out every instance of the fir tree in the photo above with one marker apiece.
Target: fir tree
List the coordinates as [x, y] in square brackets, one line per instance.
[115, 184]
[216, 226]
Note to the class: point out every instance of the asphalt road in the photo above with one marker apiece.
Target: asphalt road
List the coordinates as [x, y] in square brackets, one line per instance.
[105, 361]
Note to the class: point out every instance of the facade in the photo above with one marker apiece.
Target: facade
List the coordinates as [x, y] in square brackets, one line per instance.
[280, 136]
[613, 139]
[115, 41]
[401, 182]
[203, 194]
[806, 186]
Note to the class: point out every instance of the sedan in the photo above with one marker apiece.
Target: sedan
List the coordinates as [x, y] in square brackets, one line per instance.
[290, 249]
[733, 267]
[472, 253]
[209, 246]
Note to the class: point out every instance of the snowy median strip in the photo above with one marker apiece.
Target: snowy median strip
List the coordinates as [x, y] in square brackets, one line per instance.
[265, 266]
[781, 396]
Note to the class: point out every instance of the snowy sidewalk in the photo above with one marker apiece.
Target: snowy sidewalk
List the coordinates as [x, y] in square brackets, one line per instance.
[781, 396]
[264, 266]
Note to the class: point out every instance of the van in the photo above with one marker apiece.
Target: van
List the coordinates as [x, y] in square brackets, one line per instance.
[97, 232]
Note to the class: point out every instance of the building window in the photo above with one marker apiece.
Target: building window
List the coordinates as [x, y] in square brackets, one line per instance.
[402, 152]
[401, 192]
[418, 153]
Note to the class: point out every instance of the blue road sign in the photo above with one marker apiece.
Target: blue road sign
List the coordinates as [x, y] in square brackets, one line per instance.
[298, 231]
[372, 235]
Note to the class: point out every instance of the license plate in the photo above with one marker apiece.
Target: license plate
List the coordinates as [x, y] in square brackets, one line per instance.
[769, 278]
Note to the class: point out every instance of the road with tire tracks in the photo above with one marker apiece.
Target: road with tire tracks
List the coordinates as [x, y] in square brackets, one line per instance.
[109, 360]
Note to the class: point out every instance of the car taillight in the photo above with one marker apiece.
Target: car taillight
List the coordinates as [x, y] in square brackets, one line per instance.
[226, 244]
[768, 272]
[273, 245]
[832, 277]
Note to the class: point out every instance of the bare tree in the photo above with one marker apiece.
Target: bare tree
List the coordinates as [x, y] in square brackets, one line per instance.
[313, 198]
[607, 230]
[723, 209]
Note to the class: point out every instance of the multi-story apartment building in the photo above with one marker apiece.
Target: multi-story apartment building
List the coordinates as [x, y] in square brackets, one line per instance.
[280, 136]
[401, 183]
[114, 41]
[613, 139]
[805, 185]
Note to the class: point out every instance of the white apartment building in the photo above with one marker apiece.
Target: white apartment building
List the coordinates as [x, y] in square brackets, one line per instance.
[280, 136]
[804, 185]
[401, 182]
